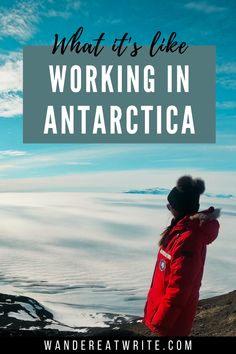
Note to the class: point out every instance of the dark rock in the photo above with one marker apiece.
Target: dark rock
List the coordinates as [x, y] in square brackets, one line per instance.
[20, 315]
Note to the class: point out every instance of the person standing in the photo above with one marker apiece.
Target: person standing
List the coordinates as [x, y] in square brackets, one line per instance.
[173, 296]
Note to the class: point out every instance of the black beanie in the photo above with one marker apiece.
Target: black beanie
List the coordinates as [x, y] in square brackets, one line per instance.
[184, 198]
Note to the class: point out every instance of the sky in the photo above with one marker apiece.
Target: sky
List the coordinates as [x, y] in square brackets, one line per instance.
[32, 166]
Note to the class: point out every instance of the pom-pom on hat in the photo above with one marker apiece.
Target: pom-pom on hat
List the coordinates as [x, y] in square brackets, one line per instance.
[184, 198]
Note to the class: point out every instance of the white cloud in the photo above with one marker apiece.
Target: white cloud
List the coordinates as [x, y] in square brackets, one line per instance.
[225, 148]
[226, 77]
[19, 22]
[74, 5]
[12, 153]
[11, 69]
[120, 181]
[66, 12]
[57, 13]
[108, 20]
[226, 105]
[227, 82]
[227, 68]
[75, 163]
[5, 167]
[10, 105]
[204, 7]
[13, 56]
[80, 156]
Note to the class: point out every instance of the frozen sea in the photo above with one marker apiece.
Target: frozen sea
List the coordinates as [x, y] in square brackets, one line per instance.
[83, 255]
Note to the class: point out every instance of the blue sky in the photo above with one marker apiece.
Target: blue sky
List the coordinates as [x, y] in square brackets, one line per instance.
[35, 23]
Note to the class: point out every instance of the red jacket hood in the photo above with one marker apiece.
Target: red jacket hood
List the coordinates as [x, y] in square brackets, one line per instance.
[205, 222]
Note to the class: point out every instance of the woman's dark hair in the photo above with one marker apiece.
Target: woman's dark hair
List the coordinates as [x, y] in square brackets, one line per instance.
[164, 235]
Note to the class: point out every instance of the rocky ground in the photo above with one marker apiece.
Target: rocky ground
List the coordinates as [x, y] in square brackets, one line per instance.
[24, 316]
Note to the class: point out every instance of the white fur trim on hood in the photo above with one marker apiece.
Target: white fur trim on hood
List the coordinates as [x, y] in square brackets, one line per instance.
[203, 216]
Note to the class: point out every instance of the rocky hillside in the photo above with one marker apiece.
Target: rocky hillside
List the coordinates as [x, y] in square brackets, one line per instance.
[22, 315]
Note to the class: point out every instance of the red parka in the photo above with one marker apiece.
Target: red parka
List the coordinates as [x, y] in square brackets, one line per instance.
[174, 292]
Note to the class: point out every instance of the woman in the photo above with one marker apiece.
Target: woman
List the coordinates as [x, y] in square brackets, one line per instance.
[174, 292]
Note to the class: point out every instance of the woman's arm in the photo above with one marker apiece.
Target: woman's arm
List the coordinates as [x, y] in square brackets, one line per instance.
[186, 264]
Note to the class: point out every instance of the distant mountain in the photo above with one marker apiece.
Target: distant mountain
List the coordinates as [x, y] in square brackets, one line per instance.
[159, 191]
[222, 196]
[164, 191]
